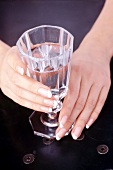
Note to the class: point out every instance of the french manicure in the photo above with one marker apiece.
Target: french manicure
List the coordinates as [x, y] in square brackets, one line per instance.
[49, 102]
[63, 121]
[60, 133]
[90, 122]
[55, 103]
[76, 133]
[20, 70]
[46, 109]
[74, 136]
[87, 126]
[44, 92]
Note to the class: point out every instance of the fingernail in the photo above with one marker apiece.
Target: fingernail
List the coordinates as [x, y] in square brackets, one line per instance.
[90, 122]
[74, 136]
[55, 103]
[87, 126]
[67, 134]
[44, 92]
[20, 70]
[49, 102]
[60, 133]
[76, 133]
[46, 109]
[63, 121]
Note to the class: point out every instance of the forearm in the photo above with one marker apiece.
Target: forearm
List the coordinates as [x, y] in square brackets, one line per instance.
[102, 30]
[3, 49]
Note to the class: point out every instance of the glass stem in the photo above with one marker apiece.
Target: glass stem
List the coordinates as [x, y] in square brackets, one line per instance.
[52, 115]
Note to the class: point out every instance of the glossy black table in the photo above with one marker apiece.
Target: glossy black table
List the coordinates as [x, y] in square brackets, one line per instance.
[19, 148]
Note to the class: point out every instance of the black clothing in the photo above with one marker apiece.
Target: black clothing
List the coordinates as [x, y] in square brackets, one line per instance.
[77, 16]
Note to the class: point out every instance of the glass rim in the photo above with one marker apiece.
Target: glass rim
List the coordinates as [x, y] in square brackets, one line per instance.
[41, 26]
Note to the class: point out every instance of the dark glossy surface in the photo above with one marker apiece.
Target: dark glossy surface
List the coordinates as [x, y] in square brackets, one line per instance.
[19, 147]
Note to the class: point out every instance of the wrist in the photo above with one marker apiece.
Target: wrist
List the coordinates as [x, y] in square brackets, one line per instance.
[3, 47]
[99, 44]
[3, 50]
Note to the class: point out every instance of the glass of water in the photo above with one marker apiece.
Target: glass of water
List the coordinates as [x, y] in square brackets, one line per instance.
[47, 50]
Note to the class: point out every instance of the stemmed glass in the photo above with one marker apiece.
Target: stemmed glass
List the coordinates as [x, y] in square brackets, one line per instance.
[47, 50]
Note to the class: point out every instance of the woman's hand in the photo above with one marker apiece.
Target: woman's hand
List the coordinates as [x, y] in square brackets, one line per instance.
[20, 88]
[88, 89]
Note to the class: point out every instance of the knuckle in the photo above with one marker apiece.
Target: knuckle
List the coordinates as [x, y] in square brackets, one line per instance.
[108, 85]
[26, 104]
[91, 103]
[37, 100]
[21, 101]
[18, 100]
[68, 108]
[83, 121]
[69, 123]
[76, 68]
[15, 78]
[19, 92]
[109, 82]
[95, 115]
[101, 102]
[30, 105]
[9, 72]
[33, 86]
[35, 107]
[80, 104]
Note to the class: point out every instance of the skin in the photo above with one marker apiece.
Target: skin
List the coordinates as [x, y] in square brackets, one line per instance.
[19, 87]
[89, 79]
[88, 89]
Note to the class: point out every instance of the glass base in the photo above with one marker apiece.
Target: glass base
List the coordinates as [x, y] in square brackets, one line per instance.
[50, 120]
[41, 129]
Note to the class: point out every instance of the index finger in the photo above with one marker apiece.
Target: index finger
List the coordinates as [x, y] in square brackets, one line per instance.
[70, 99]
